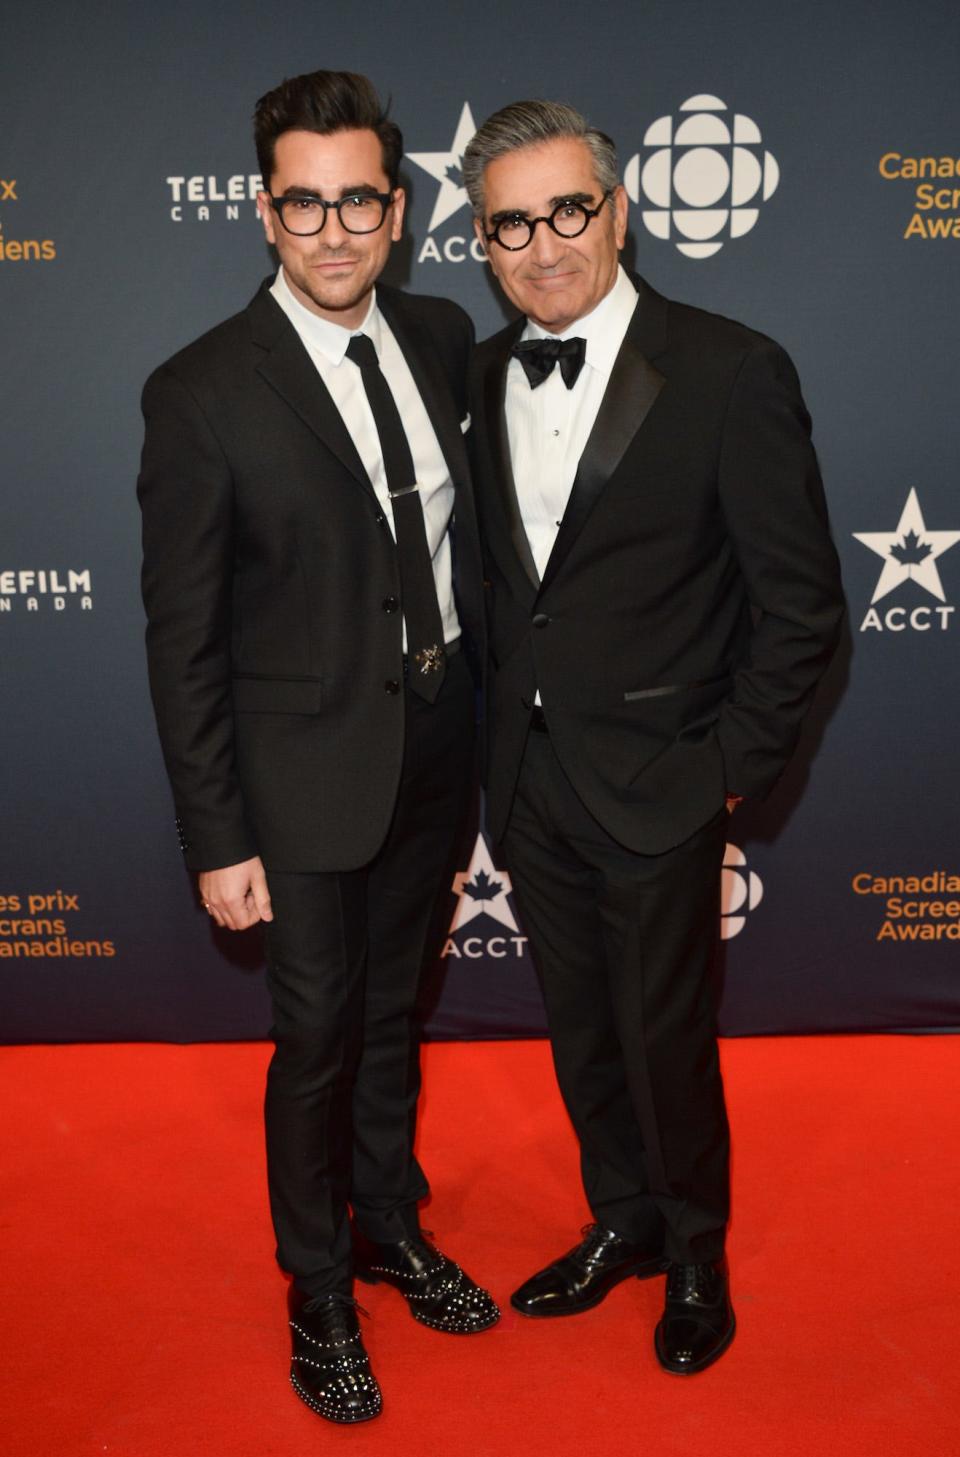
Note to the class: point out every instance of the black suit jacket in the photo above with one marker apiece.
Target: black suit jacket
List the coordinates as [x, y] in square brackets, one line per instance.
[274, 664]
[692, 599]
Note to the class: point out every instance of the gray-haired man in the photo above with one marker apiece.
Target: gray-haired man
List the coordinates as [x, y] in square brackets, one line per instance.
[664, 597]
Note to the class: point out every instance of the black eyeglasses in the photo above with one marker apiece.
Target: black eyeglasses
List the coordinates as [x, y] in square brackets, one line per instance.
[568, 220]
[304, 215]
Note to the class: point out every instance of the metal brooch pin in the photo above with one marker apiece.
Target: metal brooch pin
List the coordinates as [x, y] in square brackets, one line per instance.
[429, 660]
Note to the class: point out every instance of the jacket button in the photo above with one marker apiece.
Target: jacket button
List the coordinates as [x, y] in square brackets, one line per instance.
[392, 686]
[541, 620]
[390, 604]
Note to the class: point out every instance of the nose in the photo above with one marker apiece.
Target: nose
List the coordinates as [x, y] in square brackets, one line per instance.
[545, 247]
[334, 234]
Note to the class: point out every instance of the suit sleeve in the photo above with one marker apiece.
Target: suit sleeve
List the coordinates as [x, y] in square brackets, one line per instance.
[186, 497]
[776, 516]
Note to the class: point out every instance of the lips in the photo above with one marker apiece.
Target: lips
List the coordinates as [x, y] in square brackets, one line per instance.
[330, 265]
[553, 281]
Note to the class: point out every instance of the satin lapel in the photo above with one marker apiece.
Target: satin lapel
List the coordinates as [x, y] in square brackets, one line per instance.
[629, 396]
[438, 400]
[288, 368]
[495, 389]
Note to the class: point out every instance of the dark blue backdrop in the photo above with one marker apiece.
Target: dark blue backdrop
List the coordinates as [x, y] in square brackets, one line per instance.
[817, 144]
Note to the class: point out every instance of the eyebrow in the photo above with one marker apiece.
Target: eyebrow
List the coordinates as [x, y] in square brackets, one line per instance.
[521, 212]
[363, 189]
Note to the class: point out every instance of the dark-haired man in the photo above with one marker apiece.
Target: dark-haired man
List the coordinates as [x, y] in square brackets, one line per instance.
[664, 597]
[301, 468]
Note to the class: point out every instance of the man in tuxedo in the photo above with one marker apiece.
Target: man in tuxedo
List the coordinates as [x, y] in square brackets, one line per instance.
[664, 596]
[302, 467]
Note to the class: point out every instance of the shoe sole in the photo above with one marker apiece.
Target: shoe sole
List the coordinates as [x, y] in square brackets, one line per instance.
[645, 1270]
[701, 1365]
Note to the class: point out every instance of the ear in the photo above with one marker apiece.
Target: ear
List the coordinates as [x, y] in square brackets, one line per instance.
[399, 205]
[266, 216]
[620, 213]
[481, 236]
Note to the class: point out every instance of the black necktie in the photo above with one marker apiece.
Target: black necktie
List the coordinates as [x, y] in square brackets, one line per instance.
[418, 589]
[538, 356]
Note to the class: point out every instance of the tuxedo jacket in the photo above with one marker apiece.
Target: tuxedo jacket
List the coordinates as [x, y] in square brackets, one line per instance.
[692, 598]
[270, 580]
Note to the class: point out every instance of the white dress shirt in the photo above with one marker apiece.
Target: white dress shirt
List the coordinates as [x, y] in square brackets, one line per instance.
[326, 343]
[548, 427]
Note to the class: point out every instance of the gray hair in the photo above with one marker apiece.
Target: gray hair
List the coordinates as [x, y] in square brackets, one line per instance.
[529, 124]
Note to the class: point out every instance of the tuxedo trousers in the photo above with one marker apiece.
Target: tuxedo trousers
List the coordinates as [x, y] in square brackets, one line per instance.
[345, 952]
[625, 948]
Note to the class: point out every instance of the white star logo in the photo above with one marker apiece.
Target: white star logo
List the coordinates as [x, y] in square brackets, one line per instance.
[445, 167]
[910, 551]
[483, 889]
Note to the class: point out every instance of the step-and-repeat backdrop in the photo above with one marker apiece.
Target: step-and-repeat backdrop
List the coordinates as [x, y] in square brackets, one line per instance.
[795, 167]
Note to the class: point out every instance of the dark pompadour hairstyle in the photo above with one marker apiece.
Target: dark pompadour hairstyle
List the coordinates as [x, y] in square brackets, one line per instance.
[324, 102]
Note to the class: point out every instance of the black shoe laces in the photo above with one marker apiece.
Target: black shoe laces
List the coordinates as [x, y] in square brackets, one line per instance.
[595, 1241]
[689, 1280]
[333, 1297]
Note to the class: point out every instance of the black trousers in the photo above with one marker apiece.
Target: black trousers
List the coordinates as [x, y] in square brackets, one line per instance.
[344, 959]
[625, 947]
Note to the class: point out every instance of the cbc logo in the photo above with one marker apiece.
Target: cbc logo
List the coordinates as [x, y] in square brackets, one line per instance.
[741, 891]
[704, 174]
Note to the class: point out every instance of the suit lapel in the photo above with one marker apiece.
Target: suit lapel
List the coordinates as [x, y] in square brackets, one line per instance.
[288, 369]
[494, 397]
[632, 389]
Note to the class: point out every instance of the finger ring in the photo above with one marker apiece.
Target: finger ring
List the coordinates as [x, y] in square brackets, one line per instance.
[206, 905]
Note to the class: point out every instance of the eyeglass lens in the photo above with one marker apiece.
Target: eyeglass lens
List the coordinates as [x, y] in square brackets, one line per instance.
[569, 220]
[361, 214]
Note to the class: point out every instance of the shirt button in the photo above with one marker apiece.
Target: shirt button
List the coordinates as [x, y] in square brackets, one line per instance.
[391, 686]
[554, 432]
[390, 604]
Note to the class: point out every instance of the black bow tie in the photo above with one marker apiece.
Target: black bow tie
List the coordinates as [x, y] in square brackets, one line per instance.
[538, 356]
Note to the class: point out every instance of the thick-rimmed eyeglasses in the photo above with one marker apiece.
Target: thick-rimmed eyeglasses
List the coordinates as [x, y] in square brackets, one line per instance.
[568, 220]
[304, 215]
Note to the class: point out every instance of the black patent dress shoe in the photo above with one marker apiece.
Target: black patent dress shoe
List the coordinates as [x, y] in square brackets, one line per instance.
[697, 1324]
[586, 1274]
[437, 1291]
[330, 1370]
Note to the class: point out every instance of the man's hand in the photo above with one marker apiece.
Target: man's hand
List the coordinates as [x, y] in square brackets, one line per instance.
[236, 896]
[732, 801]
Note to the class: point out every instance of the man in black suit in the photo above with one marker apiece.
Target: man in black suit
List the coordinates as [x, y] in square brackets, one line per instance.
[302, 466]
[664, 596]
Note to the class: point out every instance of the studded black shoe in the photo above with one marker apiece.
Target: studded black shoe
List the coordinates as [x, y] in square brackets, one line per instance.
[437, 1291]
[585, 1275]
[698, 1323]
[330, 1370]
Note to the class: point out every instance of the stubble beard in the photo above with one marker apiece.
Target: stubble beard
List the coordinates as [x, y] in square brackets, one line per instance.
[337, 296]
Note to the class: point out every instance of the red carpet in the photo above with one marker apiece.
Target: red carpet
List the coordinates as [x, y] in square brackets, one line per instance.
[143, 1317]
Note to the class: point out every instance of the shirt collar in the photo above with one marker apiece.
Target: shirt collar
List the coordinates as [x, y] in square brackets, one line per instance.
[323, 335]
[603, 328]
